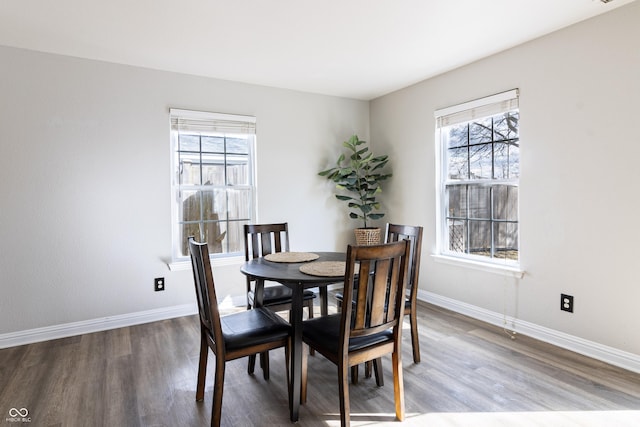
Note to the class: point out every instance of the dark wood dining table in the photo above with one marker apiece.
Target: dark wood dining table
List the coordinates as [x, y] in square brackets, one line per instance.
[289, 275]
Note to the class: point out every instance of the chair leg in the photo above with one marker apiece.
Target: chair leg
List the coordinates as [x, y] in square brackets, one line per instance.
[367, 368]
[398, 384]
[287, 362]
[343, 386]
[354, 374]
[218, 387]
[202, 368]
[415, 343]
[309, 305]
[324, 301]
[377, 369]
[310, 309]
[264, 364]
[252, 364]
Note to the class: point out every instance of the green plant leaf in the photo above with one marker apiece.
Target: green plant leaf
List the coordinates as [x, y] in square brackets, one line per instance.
[358, 175]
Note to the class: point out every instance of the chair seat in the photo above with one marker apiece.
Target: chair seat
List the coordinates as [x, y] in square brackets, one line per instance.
[253, 327]
[325, 332]
[279, 294]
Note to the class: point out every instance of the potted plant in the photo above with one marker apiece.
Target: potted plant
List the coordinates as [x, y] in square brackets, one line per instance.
[359, 176]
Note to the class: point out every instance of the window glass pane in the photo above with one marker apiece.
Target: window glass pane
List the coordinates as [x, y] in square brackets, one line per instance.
[507, 160]
[239, 203]
[211, 232]
[480, 131]
[505, 202]
[479, 202]
[480, 161]
[200, 215]
[458, 164]
[456, 136]
[212, 144]
[214, 235]
[213, 169]
[457, 235]
[190, 206]
[457, 200]
[238, 144]
[188, 142]
[514, 160]
[214, 205]
[187, 230]
[207, 205]
[235, 239]
[189, 169]
[238, 170]
[506, 240]
[505, 126]
[480, 238]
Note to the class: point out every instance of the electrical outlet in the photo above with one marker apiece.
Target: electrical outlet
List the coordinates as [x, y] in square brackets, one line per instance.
[566, 303]
[158, 284]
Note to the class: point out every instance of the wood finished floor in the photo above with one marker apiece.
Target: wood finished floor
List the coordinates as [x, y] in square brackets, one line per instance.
[471, 374]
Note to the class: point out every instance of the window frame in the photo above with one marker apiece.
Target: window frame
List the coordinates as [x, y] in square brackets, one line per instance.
[219, 125]
[458, 114]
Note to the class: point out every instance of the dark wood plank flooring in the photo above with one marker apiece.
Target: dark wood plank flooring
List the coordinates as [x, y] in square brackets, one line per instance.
[472, 374]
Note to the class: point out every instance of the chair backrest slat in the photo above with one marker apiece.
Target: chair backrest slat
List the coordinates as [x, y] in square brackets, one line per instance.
[380, 283]
[363, 291]
[380, 291]
[265, 239]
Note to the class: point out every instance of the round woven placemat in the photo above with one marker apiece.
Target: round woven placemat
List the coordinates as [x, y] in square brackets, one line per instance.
[291, 256]
[324, 268]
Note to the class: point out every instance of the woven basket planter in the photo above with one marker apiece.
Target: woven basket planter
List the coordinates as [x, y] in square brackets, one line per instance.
[367, 236]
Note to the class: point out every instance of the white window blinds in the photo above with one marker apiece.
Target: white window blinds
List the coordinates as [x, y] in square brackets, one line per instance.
[203, 122]
[484, 107]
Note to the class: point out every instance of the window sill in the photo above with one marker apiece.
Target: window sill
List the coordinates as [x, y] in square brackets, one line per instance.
[215, 262]
[503, 270]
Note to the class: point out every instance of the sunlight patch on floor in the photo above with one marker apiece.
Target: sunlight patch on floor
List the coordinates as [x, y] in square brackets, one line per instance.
[498, 419]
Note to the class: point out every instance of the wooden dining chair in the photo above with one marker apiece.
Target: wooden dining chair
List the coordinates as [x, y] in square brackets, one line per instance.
[232, 336]
[261, 240]
[370, 327]
[394, 233]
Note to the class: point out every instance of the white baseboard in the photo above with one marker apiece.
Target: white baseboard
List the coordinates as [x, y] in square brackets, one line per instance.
[592, 349]
[94, 325]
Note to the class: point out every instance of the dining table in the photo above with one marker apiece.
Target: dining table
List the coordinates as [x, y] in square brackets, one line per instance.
[322, 269]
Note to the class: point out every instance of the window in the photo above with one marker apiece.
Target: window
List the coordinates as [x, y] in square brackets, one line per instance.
[213, 180]
[479, 148]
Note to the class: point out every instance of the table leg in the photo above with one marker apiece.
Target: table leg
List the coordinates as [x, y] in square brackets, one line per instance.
[258, 298]
[324, 301]
[296, 351]
[258, 293]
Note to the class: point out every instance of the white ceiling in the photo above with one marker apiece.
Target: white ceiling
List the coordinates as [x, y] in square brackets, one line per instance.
[352, 48]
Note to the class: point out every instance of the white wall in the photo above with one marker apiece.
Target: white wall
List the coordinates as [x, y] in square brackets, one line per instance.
[580, 154]
[85, 220]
